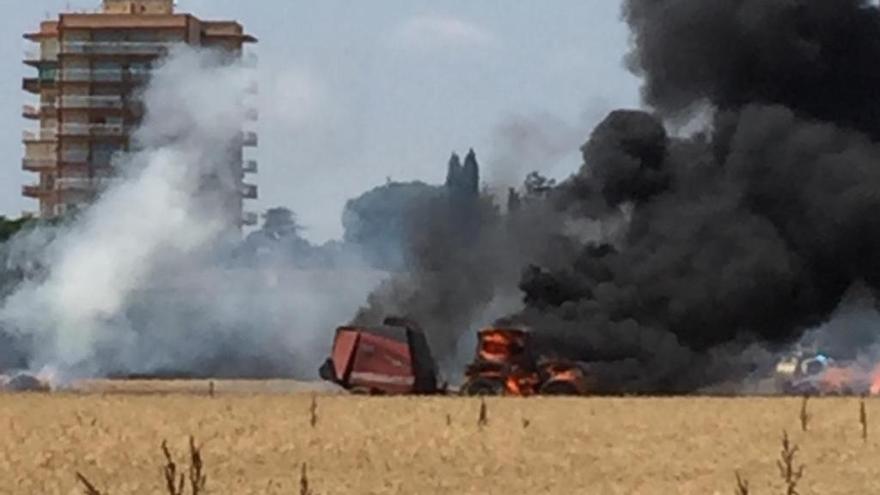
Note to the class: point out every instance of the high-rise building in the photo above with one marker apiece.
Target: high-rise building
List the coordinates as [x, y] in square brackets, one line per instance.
[88, 68]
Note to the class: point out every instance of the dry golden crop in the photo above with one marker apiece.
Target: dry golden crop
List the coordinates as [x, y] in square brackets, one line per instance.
[361, 445]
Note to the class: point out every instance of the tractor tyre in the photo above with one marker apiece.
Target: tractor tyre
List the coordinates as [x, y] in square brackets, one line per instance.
[327, 371]
[483, 387]
[558, 387]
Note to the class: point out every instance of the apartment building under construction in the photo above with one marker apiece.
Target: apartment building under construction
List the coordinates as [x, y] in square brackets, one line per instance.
[89, 65]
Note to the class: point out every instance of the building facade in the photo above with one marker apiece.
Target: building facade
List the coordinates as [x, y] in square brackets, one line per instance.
[88, 68]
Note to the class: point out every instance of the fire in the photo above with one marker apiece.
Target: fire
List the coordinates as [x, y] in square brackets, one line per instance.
[875, 380]
[565, 374]
[496, 346]
[849, 379]
[521, 384]
[836, 379]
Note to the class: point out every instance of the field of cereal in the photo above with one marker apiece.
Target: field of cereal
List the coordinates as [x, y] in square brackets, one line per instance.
[256, 443]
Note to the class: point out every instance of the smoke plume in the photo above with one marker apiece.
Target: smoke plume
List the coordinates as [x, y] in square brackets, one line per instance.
[666, 263]
[671, 263]
[143, 280]
[749, 231]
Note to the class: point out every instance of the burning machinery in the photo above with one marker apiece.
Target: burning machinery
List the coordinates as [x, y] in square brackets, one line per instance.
[393, 358]
[505, 365]
[816, 373]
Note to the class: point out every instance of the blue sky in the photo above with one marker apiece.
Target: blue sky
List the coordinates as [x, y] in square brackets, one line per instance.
[355, 92]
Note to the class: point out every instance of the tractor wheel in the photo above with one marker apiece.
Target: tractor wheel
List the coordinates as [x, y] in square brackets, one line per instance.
[558, 387]
[327, 371]
[482, 386]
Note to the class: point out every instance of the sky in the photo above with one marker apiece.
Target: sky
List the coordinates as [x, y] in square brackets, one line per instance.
[353, 94]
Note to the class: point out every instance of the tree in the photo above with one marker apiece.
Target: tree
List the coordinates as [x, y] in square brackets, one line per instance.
[9, 227]
[279, 239]
[537, 186]
[281, 222]
[379, 221]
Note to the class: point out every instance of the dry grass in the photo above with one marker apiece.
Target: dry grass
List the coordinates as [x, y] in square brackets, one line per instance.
[363, 445]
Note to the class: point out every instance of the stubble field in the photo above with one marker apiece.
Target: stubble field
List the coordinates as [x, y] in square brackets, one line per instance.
[257, 443]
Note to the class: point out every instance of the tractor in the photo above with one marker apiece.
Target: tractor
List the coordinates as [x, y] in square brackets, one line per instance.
[505, 364]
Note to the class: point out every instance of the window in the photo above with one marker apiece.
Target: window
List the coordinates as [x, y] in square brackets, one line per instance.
[140, 66]
[48, 73]
[76, 35]
[107, 65]
[102, 153]
[108, 35]
[142, 36]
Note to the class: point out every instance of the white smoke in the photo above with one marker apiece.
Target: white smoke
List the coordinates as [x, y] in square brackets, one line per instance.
[137, 283]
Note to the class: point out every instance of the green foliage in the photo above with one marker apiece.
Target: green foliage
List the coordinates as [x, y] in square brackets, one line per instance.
[281, 221]
[9, 227]
[378, 221]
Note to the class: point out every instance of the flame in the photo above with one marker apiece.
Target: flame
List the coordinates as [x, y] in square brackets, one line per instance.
[498, 345]
[568, 375]
[522, 384]
[836, 378]
[875, 381]
[850, 379]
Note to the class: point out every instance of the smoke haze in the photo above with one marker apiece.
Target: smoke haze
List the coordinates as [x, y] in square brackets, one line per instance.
[142, 281]
[728, 220]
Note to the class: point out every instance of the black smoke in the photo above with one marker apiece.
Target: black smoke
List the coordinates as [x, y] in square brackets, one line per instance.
[446, 245]
[669, 263]
[749, 231]
[816, 57]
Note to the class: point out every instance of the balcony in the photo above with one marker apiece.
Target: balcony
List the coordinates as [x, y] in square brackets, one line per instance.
[35, 190]
[92, 130]
[249, 191]
[249, 139]
[86, 75]
[117, 47]
[249, 167]
[84, 183]
[250, 218]
[108, 76]
[30, 112]
[47, 77]
[38, 164]
[75, 156]
[44, 134]
[92, 102]
[35, 56]
[35, 111]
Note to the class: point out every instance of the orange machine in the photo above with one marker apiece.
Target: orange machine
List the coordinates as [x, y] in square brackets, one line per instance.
[505, 365]
[392, 358]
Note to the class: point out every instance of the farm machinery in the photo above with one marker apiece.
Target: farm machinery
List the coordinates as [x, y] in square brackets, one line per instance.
[505, 364]
[815, 373]
[394, 358]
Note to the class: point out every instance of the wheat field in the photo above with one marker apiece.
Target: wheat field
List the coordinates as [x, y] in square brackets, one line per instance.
[257, 443]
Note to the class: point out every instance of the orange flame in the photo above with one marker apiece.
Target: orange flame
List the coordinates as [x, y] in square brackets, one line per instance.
[567, 375]
[522, 384]
[496, 346]
[835, 378]
[875, 381]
